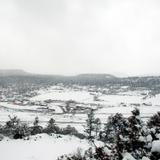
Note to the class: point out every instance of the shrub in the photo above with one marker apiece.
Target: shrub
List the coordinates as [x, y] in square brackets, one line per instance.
[22, 131]
[11, 126]
[36, 128]
[69, 130]
[15, 129]
[51, 127]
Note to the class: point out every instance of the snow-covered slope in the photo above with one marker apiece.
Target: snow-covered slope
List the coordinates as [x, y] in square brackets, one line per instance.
[40, 147]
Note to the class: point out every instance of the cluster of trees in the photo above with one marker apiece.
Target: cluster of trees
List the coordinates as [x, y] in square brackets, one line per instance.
[124, 138]
[16, 129]
[25, 83]
[93, 125]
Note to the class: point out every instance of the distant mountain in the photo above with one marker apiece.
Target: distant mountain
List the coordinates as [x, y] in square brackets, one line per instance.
[20, 77]
[97, 76]
[13, 72]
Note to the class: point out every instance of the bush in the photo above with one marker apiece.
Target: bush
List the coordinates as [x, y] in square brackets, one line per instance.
[51, 127]
[69, 130]
[36, 128]
[11, 126]
[15, 129]
[22, 131]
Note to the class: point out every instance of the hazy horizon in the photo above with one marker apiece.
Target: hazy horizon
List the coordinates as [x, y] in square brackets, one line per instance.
[77, 36]
[120, 75]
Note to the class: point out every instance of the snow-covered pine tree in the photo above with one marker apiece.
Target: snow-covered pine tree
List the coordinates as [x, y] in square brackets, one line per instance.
[13, 122]
[115, 131]
[154, 126]
[136, 134]
[90, 124]
[51, 127]
[116, 124]
[36, 129]
[36, 121]
[21, 131]
[11, 126]
[97, 126]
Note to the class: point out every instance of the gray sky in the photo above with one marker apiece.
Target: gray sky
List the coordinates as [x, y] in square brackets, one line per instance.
[80, 36]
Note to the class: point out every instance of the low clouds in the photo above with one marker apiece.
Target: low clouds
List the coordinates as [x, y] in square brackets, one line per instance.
[78, 36]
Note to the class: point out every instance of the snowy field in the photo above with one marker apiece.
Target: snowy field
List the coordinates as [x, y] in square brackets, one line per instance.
[40, 147]
[107, 105]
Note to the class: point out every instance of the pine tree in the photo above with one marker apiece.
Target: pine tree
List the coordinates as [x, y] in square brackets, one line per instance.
[90, 124]
[12, 125]
[21, 131]
[136, 134]
[13, 122]
[51, 123]
[36, 121]
[116, 124]
[51, 127]
[115, 130]
[36, 129]
[97, 126]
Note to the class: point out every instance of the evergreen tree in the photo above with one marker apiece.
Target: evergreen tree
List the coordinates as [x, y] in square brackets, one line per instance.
[21, 131]
[51, 127]
[36, 129]
[90, 124]
[115, 130]
[51, 123]
[136, 135]
[36, 121]
[12, 125]
[116, 125]
[97, 126]
[13, 122]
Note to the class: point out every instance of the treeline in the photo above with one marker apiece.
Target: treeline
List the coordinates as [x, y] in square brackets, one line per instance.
[34, 82]
[16, 129]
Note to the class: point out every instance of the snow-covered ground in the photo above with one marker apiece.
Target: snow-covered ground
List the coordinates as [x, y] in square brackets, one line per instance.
[123, 103]
[80, 96]
[40, 147]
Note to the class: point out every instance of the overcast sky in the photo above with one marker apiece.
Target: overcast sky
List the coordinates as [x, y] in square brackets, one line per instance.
[80, 36]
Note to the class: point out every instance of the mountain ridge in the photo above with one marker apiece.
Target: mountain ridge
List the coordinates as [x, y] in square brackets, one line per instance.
[20, 72]
[13, 72]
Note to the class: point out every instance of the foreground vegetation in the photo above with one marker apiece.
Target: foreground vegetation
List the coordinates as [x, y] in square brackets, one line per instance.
[123, 138]
[16, 129]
